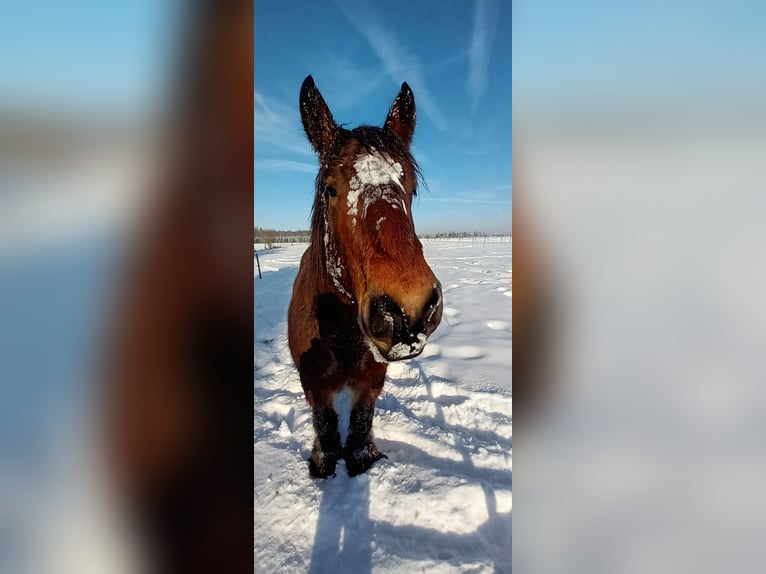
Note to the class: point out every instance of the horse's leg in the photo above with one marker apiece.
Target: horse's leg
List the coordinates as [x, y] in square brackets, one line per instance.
[360, 451]
[327, 449]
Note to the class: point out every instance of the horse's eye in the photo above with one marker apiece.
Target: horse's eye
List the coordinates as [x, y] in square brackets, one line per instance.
[330, 191]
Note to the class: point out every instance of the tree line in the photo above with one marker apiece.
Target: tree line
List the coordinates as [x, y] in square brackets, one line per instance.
[474, 235]
[274, 238]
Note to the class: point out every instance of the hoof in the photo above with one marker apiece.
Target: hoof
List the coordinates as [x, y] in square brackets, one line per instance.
[360, 459]
[322, 465]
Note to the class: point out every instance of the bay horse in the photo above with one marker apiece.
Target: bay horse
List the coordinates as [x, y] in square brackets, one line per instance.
[176, 404]
[364, 294]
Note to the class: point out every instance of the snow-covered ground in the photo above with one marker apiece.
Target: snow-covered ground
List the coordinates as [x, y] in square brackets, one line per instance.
[442, 500]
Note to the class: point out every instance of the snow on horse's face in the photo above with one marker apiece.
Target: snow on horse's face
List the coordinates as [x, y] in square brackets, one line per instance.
[365, 186]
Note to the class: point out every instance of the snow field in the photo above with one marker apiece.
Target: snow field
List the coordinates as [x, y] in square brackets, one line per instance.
[442, 501]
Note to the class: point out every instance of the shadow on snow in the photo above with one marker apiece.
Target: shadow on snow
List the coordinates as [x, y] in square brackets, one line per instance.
[345, 537]
[344, 541]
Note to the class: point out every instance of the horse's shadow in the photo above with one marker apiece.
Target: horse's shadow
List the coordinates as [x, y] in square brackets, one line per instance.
[346, 537]
[344, 531]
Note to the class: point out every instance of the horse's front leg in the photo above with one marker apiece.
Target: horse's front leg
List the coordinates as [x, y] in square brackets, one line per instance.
[360, 451]
[327, 449]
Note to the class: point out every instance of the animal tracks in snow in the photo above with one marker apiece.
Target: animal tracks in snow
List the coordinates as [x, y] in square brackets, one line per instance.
[431, 351]
[443, 498]
[464, 352]
[450, 312]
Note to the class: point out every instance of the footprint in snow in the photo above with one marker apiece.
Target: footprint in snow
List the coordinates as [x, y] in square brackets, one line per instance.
[450, 312]
[431, 351]
[498, 325]
[464, 352]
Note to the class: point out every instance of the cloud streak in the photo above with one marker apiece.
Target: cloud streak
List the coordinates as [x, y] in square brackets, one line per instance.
[465, 200]
[400, 64]
[284, 165]
[485, 18]
[342, 73]
[277, 125]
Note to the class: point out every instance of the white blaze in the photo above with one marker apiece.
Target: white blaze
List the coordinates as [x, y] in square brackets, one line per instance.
[373, 170]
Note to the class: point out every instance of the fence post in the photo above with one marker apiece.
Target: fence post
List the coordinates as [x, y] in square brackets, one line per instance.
[259, 265]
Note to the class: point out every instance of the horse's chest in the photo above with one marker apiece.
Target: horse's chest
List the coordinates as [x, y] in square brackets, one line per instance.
[339, 328]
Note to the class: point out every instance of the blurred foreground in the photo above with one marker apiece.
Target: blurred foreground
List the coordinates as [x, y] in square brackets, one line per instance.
[125, 341]
[639, 140]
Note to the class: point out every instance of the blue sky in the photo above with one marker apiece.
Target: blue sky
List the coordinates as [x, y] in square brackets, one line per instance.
[87, 56]
[612, 53]
[456, 56]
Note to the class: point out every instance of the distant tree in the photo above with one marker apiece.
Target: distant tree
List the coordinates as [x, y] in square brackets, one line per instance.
[278, 237]
[269, 237]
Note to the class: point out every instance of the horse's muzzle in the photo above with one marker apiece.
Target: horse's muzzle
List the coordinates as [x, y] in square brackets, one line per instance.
[398, 336]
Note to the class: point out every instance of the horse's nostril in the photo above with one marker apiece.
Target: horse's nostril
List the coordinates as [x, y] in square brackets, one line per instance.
[433, 310]
[397, 334]
[385, 318]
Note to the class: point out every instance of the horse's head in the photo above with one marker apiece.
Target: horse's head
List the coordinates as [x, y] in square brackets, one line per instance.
[362, 219]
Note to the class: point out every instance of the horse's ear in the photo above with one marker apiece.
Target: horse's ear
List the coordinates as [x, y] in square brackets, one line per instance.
[401, 116]
[317, 119]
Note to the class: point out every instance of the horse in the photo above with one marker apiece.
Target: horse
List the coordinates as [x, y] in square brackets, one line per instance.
[364, 295]
[176, 406]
